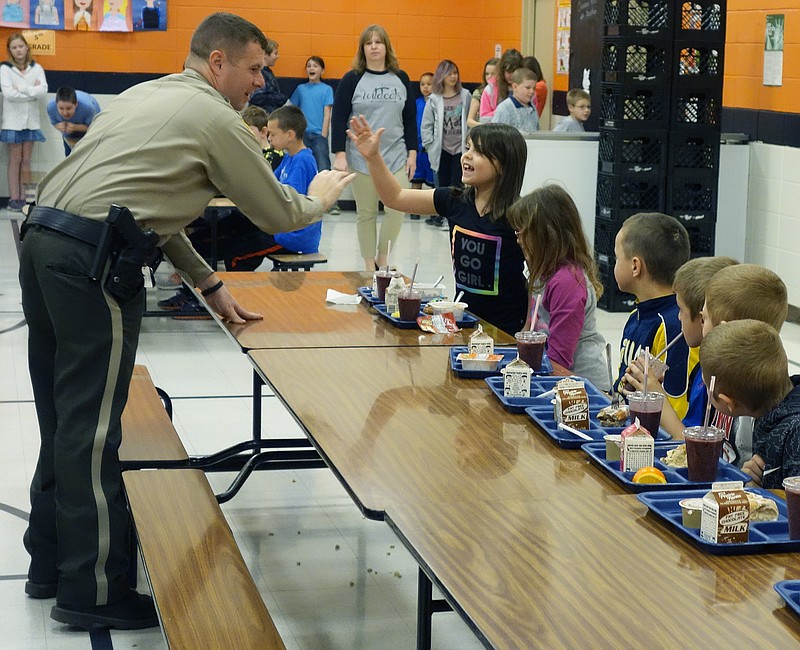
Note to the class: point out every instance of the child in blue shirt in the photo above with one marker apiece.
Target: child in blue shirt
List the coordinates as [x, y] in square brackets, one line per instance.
[423, 175]
[315, 99]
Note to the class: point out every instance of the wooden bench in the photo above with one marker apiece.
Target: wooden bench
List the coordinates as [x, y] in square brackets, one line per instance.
[296, 261]
[148, 437]
[203, 591]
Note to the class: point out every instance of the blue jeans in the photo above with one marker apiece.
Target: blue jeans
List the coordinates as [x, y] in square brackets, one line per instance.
[319, 147]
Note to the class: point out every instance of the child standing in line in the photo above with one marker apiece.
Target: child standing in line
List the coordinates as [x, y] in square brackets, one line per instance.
[315, 99]
[487, 260]
[499, 87]
[549, 230]
[23, 85]
[579, 105]
[473, 119]
[518, 110]
[540, 94]
[423, 175]
[444, 128]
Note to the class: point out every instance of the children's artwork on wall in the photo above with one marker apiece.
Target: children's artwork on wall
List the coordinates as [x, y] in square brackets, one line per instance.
[116, 16]
[47, 14]
[79, 15]
[149, 15]
[15, 13]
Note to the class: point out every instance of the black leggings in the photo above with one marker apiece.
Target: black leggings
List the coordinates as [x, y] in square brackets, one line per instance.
[449, 174]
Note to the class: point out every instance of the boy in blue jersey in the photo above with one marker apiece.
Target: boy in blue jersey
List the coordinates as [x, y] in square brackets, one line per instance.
[690, 285]
[649, 249]
[71, 112]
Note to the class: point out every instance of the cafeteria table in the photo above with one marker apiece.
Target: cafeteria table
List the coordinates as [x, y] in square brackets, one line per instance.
[296, 316]
[530, 543]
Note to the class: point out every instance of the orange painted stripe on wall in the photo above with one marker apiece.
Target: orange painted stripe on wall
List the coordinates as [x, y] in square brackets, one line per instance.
[422, 33]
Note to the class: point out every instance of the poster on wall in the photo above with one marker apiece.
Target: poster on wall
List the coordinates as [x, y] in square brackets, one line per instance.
[562, 37]
[773, 50]
[149, 15]
[79, 15]
[116, 16]
[15, 14]
[47, 14]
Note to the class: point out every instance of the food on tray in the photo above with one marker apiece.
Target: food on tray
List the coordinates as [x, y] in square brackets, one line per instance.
[761, 508]
[613, 415]
[676, 457]
[484, 362]
[649, 475]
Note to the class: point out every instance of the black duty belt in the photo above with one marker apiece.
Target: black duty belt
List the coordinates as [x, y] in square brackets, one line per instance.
[86, 230]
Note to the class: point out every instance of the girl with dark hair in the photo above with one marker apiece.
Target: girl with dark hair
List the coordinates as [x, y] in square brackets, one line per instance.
[549, 230]
[487, 260]
[499, 87]
[540, 96]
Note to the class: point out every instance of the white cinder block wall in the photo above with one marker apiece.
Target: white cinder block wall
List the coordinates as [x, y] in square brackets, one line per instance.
[773, 215]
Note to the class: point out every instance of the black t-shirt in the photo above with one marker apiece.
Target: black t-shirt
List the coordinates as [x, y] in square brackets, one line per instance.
[487, 262]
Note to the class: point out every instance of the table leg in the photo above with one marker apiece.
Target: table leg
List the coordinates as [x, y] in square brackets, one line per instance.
[424, 611]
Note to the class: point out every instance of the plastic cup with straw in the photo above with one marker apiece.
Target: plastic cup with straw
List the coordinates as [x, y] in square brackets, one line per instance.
[704, 445]
[530, 343]
[410, 301]
[646, 406]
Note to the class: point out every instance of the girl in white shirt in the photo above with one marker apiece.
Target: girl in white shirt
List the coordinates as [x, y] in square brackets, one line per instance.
[23, 85]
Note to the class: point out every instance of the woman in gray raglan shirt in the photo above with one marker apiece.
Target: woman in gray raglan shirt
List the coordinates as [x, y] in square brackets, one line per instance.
[380, 91]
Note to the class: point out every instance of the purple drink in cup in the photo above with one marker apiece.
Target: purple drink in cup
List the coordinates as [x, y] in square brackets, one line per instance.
[409, 303]
[792, 486]
[703, 450]
[530, 347]
[647, 407]
[382, 279]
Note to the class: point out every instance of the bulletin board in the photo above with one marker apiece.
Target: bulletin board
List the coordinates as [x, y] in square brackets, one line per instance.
[85, 15]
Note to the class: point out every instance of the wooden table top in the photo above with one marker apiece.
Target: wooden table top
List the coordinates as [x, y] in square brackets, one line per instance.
[297, 316]
[531, 542]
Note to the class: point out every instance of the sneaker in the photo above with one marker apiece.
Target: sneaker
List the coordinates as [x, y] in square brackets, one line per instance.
[41, 589]
[178, 301]
[431, 221]
[414, 217]
[15, 205]
[334, 210]
[192, 311]
[134, 612]
[444, 225]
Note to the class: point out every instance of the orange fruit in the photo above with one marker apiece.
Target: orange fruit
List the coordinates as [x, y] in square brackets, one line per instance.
[649, 475]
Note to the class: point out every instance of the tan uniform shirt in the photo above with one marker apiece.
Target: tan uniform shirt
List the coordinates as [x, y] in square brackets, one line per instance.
[163, 149]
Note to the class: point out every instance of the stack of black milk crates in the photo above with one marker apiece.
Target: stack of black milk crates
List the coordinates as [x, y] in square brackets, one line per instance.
[661, 96]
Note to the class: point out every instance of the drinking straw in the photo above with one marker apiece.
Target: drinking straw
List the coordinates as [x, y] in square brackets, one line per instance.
[536, 311]
[670, 344]
[414, 275]
[438, 280]
[707, 418]
[388, 253]
[458, 297]
[646, 367]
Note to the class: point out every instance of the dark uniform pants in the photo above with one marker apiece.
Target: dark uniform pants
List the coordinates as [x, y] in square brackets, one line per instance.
[81, 351]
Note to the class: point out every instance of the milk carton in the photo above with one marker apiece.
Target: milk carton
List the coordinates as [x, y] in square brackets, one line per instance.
[396, 285]
[480, 342]
[572, 404]
[517, 379]
[726, 514]
[637, 448]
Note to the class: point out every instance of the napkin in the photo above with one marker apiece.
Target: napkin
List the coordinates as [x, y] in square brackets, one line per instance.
[338, 298]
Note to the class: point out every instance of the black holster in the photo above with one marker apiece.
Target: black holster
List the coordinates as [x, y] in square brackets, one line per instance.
[129, 250]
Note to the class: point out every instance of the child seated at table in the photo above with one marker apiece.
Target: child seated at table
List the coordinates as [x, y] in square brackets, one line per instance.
[729, 297]
[649, 249]
[751, 372]
[690, 285]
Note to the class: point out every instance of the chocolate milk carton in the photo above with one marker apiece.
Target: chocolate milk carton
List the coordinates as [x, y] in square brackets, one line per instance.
[637, 448]
[572, 404]
[726, 514]
[517, 379]
[480, 342]
[396, 285]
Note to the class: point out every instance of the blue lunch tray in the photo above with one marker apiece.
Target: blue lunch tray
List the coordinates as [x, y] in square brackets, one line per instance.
[467, 321]
[541, 385]
[366, 294]
[677, 478]
[545, 419]
[509, 354]
[789, 590]
[765, 536]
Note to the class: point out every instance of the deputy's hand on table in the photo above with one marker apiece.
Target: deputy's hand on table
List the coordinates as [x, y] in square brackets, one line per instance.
[222, 302]
[755, 468]
[328, 185]
[367, 142]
